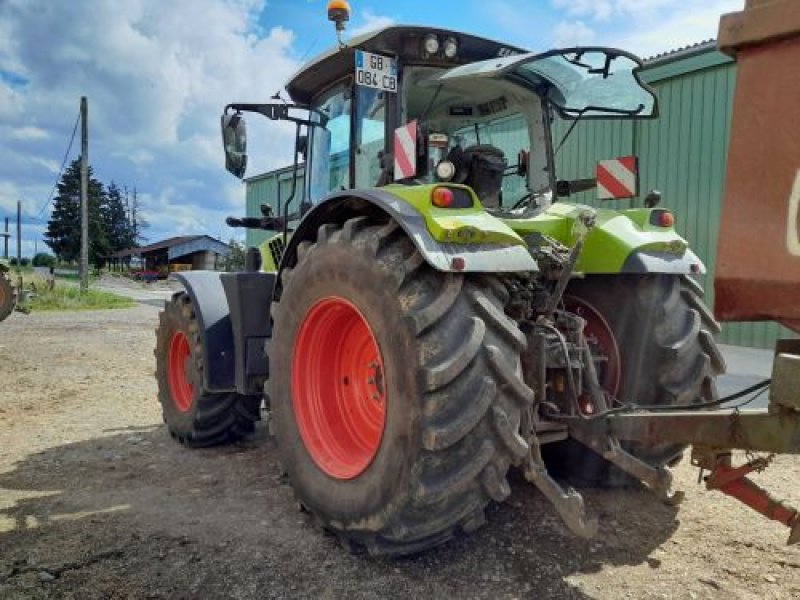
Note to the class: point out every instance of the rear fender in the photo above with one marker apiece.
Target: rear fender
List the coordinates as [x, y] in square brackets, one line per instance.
[507, 256]
[622, 241]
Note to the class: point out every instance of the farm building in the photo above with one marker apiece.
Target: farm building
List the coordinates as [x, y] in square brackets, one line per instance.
[682, 154]
[189, 252]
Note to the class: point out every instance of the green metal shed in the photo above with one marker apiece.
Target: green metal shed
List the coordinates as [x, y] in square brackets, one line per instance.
[682, 154]
[273, 189]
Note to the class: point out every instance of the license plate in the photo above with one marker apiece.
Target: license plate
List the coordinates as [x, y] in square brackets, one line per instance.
[376, 71]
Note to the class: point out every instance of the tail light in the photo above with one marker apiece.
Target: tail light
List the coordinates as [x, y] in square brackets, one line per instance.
[662, 218]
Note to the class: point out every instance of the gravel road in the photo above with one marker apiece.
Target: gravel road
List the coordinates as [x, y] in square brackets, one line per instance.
[96, 501]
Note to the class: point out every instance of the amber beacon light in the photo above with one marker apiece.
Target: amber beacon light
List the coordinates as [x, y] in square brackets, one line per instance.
[339, 13]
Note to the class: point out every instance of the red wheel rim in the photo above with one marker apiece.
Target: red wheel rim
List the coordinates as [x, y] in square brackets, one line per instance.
[180, 353]
[601, 340]
[338, 388]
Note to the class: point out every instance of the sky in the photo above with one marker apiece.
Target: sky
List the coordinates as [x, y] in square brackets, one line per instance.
[158, 74]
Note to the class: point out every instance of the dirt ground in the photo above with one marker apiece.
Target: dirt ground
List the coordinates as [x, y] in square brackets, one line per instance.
[96, 501]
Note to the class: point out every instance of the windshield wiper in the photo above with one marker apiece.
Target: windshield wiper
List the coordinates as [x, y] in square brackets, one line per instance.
[582, 111]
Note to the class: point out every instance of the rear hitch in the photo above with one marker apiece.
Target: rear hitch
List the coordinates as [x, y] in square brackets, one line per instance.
[568, 503]
[734, 482]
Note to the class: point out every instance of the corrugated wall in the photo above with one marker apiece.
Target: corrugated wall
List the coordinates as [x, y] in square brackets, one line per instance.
[270, 188]
[682, 154]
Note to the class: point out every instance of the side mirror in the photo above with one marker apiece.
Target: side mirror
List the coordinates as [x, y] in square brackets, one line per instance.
[234, 140]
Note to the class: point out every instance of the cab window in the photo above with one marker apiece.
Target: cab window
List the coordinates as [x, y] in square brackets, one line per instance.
[370, 135]
[330, 144]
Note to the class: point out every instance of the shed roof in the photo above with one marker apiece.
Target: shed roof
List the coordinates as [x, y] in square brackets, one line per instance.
[177, 246]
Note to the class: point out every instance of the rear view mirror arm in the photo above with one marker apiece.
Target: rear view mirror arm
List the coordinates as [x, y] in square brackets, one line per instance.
[279, 112]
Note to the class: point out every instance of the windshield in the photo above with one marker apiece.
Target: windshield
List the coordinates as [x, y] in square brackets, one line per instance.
[590, 83]
[578, 82]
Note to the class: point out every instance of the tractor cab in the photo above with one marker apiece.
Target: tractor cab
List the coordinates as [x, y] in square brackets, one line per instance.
[411, 105]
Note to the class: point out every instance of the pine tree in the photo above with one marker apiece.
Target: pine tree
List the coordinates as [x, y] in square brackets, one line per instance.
[115, 220]
[63, 233]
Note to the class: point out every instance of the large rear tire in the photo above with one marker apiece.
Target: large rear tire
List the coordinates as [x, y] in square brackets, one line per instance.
[411, 455]
[8, 296]
[195, 417]
[663, 337]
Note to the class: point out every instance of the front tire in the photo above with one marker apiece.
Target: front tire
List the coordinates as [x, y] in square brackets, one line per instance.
[434, 425]
[194, 416]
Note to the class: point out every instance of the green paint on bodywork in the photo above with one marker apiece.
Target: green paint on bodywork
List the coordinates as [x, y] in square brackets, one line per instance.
[271, 251]
[615, 236]
[457, 225]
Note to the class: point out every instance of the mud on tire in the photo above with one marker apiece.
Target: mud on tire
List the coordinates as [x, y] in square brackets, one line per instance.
[454, 394]
[665, 335]
[198, 418]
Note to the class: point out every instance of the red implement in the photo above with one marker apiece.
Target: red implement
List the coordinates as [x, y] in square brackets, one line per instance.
[758, 256]
[733, 482]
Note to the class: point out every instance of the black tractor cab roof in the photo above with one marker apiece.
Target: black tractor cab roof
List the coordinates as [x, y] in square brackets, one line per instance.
[404, 42]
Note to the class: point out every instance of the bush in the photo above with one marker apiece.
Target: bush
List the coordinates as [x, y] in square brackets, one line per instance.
[44, 260]
[24, 262]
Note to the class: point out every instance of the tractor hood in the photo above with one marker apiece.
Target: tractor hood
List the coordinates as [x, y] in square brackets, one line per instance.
[591, 82]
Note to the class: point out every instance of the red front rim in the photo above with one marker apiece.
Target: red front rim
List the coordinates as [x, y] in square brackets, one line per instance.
[180, 355]
[602, 342]
[338, 388]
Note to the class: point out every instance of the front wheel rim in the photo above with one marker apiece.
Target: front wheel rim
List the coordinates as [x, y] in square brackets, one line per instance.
[338, 388]
[180, 354]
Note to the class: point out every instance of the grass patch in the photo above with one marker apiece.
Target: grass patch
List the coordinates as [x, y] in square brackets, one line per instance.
[68, 297]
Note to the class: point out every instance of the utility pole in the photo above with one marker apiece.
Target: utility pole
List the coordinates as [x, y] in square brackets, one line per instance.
[19, 236]
[84, 264]
[5, 235]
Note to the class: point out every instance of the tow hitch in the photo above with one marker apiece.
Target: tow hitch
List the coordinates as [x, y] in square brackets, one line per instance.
[713, 434]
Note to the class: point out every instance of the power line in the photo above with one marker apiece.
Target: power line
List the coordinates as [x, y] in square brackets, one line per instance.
[63, 163]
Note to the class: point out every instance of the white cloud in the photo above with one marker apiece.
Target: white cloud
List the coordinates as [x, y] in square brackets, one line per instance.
[50, 165]
[371, 22]
[600, 10]
[675, 29]
[157, 76]
[29, 133]
[646, 27]
[573, 33]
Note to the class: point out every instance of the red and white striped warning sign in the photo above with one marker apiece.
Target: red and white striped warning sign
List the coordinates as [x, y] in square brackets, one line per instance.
[618, 178]
[405, 151]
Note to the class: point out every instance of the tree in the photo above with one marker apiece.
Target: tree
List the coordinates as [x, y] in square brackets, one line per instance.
[235, 259]
[42, 259]
[63, 233]
[115, 220]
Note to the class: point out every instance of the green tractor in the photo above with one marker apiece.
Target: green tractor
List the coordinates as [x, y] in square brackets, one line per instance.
[432, 310]
[8, 292]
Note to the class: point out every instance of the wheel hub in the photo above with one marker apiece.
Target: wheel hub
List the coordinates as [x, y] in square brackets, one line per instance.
[338, 388]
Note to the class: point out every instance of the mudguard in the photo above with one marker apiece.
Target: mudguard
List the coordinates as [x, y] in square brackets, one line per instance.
[506, 256]
[213, 316]
[233, 315]
[622, 241]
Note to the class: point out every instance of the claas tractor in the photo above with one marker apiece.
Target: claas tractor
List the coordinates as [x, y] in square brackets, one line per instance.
[8, 291]
[432, 311]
